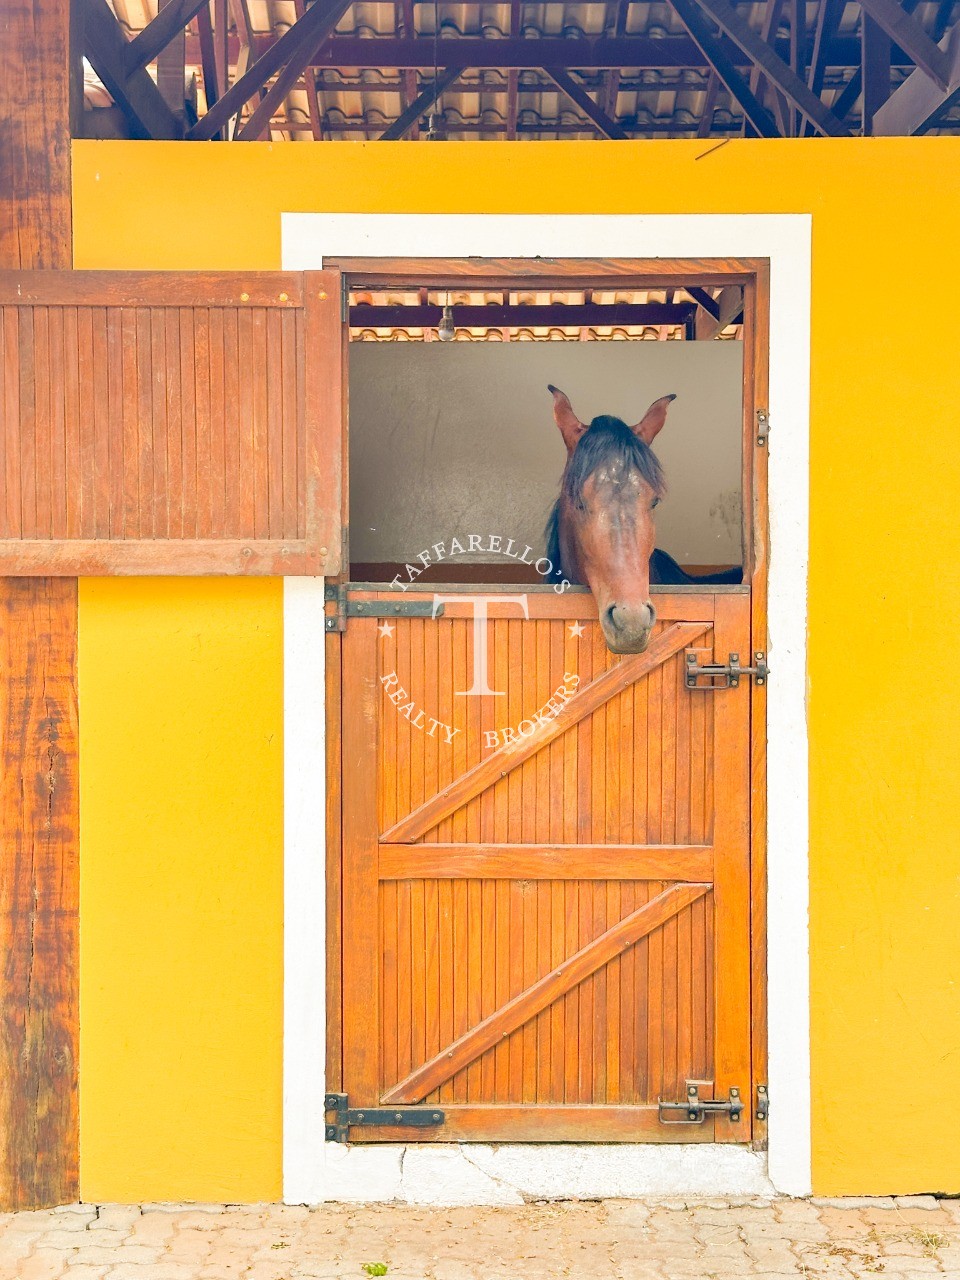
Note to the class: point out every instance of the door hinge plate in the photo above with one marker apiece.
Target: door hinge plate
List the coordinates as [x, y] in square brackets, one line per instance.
[346, 1117]
[723, 676]
[763, 427]
[338, 595]
[694, 1109]
[763, 1102]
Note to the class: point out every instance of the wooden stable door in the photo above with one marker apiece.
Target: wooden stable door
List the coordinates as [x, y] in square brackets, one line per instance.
[545, 887]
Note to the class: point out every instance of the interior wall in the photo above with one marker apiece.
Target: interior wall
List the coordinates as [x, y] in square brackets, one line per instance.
[455, 438]
[885, 475]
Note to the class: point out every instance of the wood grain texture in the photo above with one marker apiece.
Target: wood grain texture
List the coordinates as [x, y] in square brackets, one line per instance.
[39, 820]
[39, 899]
[557, 847]
[567, 975]
[170, 423]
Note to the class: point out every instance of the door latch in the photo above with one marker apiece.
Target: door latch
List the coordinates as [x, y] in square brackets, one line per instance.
[720, 676]
[694, 1109]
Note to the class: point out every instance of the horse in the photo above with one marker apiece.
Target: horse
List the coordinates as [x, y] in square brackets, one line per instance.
[600, 532]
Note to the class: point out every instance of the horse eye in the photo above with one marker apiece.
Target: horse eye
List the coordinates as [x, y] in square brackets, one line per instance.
[581, 506]
[654, 504]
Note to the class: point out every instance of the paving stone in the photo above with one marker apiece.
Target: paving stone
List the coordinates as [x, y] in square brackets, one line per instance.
[43, 1264]
[119, 1217]
[855, 1202]
[82, 1271]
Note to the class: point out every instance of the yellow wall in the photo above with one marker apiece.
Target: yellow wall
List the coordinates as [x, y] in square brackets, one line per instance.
[884, 585]
[181, 875]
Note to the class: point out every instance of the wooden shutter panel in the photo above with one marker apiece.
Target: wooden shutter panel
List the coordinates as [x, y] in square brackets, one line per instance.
[170, 422]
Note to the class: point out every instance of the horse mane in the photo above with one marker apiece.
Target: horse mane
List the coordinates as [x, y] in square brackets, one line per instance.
[607, 440]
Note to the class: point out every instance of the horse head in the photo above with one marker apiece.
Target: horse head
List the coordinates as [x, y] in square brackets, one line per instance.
[601, 530]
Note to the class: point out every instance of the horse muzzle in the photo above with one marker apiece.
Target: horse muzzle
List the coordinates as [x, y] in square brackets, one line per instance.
[627, 627]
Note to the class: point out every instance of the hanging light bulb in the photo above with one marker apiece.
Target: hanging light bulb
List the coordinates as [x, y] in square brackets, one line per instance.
[446, 329]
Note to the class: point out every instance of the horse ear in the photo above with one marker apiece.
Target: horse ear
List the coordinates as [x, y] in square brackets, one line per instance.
[571, 428]
[650, 425]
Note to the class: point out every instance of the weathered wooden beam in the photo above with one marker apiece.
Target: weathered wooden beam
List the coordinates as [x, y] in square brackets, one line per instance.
[919, 103]
[422, 103]
[772, 13]
[172, 67]
[318, 22]
[876, 69]
[891, 17]
[582, 53]
[299, 58]
[40, 87]
[208, 56]
[310, 82]
[156, 35]
[729, 306]
[705, 300]
[773, 67]
[828, 19]
[606, 127]
[709, 106]
[691, 15]
[133, 91]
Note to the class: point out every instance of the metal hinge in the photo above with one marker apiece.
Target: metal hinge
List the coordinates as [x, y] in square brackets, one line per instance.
[694, 1109]
[394, 1117]
[763, 427]
[338, 594]
[344, 299]
[723, 677]
[763, 1102]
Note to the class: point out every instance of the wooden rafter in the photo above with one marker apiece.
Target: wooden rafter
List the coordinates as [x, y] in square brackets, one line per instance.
[310, 31]
[156, 35]
[827, 22]
[132, 90]
[899, 25]
[773, 67]
[300, 54]
[606, 127]
[709, 105]
[768, 33]
[919, 103]
[691, 15]
[876, 69]
[310, 83]
[423, 102]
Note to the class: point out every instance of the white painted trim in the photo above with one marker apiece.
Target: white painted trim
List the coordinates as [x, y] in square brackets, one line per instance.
[785, 240]
[304, 889]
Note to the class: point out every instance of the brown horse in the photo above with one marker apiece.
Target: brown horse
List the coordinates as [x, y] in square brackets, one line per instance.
[601, 531]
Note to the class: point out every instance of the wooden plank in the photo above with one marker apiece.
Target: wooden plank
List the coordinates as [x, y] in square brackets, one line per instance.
[324, 340]
[773, 67]
[529, 1002]
[40, 89]
[283, 289]
[214, 556]
[39, 880]
[504, 273]
[565, 1123]
[509, 757]
[546, 862]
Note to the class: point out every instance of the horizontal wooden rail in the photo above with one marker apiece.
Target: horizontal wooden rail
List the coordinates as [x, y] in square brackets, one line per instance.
[545, 862]
[152, 288]
[132, 557]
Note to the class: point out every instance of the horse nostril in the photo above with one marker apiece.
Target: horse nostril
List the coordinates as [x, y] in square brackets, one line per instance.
[651, 613]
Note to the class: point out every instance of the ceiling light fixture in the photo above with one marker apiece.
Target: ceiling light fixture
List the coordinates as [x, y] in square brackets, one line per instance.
[446, 329]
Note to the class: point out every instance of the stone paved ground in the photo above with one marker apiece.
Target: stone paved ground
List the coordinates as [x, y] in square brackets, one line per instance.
[602, 1240]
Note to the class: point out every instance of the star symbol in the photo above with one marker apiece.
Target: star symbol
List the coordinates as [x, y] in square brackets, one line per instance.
[576, 628]
[385, 629]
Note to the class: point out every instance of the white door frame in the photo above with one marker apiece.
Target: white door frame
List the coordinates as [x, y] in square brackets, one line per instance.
[315, 1170]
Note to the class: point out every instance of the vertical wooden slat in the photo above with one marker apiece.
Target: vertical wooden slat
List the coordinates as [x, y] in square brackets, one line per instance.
[102, 424]
[260, 458]
[173, 405]
[41, 420]
[131, 434]
[231, 413]
[145, 519]
[11, 382]
[204, 418]
[56, 377]
[273, 365]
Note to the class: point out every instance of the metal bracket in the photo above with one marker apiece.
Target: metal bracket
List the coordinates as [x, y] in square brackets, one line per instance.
[723, 677]
[397, 1117]
[763, 427]
[338, 594]
[694, 1109]
[763, 1102]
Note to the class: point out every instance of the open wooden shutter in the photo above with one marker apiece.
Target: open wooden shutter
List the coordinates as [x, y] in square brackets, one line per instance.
[170, 422]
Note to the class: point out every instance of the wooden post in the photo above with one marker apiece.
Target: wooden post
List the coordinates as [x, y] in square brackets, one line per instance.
[39, 809]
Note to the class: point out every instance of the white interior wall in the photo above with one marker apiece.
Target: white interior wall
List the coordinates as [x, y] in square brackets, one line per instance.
[451, 438]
